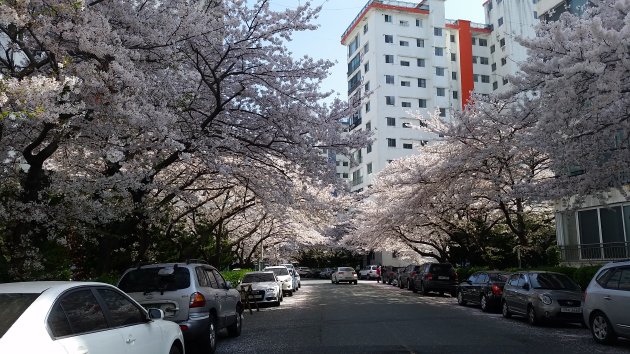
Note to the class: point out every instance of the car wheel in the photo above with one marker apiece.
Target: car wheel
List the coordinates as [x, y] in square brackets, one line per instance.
[175, 350]
[484, 303]
[414, 289]
[277, 303]
[400, 284]
[290, 292]
[460, 298]
[356, 282]
[505, 310]
[425, 291]
[601, 329]
[234, 330]
[532, 318]
[209, 342]
[409, 285]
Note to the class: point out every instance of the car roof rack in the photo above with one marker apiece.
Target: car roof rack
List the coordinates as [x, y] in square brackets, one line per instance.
[194, 260]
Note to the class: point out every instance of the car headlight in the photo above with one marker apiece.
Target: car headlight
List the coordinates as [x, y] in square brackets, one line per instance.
[271, 289]
[546, 299]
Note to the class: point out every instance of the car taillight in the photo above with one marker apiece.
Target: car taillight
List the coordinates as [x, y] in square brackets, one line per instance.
[197, 300]
[496, 290]
[428, 276]
[413, 274]
[354, 273]
[183, 328]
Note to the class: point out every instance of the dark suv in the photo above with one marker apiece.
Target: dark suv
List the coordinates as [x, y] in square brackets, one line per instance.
[192, 294]
[406, 276]
[437, 277]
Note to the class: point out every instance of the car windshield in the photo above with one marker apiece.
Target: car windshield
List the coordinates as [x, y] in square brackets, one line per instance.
[498, 277]
[148, 279]
[258, 278]
[279, 271]
[11, 308]
[345, 269]
[552, 281]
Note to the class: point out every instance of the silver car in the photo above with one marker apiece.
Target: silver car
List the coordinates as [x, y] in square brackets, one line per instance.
[344, 274]
[283, 275]
[295, 273]
[542, 296]
[607, 303]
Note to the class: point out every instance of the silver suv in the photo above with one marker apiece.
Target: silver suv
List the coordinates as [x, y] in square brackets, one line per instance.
[192, 294]
[607, 303]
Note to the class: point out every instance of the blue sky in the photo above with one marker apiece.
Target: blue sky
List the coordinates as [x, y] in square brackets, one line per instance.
[335, 16]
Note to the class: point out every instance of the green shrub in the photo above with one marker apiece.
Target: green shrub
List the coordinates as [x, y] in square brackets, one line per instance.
[235, 276]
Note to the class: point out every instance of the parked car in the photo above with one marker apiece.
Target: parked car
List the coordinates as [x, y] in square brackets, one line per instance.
[368, 272]
[344, 274]
[388, 274]
[405, 279]
[192, 294]
[542, 296]
[72, 317]
[305, 272]
[287, 280]
[326, 273]
[483, 288]
[606, 309]
[295, 274]
[435, 277]
[266, 288]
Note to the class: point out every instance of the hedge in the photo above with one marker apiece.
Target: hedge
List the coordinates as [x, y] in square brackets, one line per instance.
[235, 276]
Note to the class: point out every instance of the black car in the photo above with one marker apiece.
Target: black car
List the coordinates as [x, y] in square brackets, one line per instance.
[436, 277]
[405, 279]
[483, 288]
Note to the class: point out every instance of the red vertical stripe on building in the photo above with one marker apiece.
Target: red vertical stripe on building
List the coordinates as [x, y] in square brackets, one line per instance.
[465, 61]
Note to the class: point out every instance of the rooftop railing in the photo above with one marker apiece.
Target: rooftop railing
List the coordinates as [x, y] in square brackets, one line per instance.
[595, 252]
[410, 5]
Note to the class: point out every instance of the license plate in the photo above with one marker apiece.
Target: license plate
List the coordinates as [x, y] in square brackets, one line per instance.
[443, 278]
[571, 309]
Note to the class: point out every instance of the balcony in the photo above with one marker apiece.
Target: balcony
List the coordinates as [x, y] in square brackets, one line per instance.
[597, 252]
[357, 181]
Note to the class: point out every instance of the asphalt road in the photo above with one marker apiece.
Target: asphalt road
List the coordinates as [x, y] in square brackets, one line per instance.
[375, 318]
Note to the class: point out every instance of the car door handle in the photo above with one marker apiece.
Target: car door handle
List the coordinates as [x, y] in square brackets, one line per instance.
[607, 297]
[130, 340]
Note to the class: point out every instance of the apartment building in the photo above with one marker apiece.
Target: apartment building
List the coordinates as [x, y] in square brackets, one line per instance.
[406, 59]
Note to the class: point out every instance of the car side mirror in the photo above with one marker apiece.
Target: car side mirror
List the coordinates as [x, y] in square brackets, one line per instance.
[228, 285]
[156, 314]
[526, 286]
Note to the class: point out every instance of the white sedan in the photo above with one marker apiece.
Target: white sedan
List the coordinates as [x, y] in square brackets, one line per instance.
[282, 273]
[344, 274]
[77, 317]
[265, 286]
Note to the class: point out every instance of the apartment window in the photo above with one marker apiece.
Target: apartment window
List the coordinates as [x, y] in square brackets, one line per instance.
[500, 21]
[439, 71]
[389, 38]
[474, 59]
[389, 59]
[476, 77]
[391, 142]
[502, 42]
[422, 103]
[354, 64]
[406, 125]
[453, 57]
[442, 112]
[405, 83]
[366, 48]
[368, 126]
[494, 66]
[404, 63]
[455, 95]
[337, 163]
[407, 146]
[353, 46]
[345, 175]
[437, 31]
[404, 43]
[366, 67]
[454, 75]
[484, 60]
[367, 107]
[391, 121]
[483, 42]
[439, 51]
[389, 79]
[389, 100]
[505, 81]
[492, 48]
[441, 91]
[485, 79]
[369, 148]
[365, 28]
[420, 62]
[495, 85]
[418, 22]
[535, 15]
[474, 40]
[366, 87]
[345, 163]
[388, 18]
[503, 61]
[406, 104]
[404, 23]
[452, 38]
[422, 83]
[369, 168]
[420, 42]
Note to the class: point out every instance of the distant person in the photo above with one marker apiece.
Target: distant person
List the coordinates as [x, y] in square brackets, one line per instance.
[378, 274]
